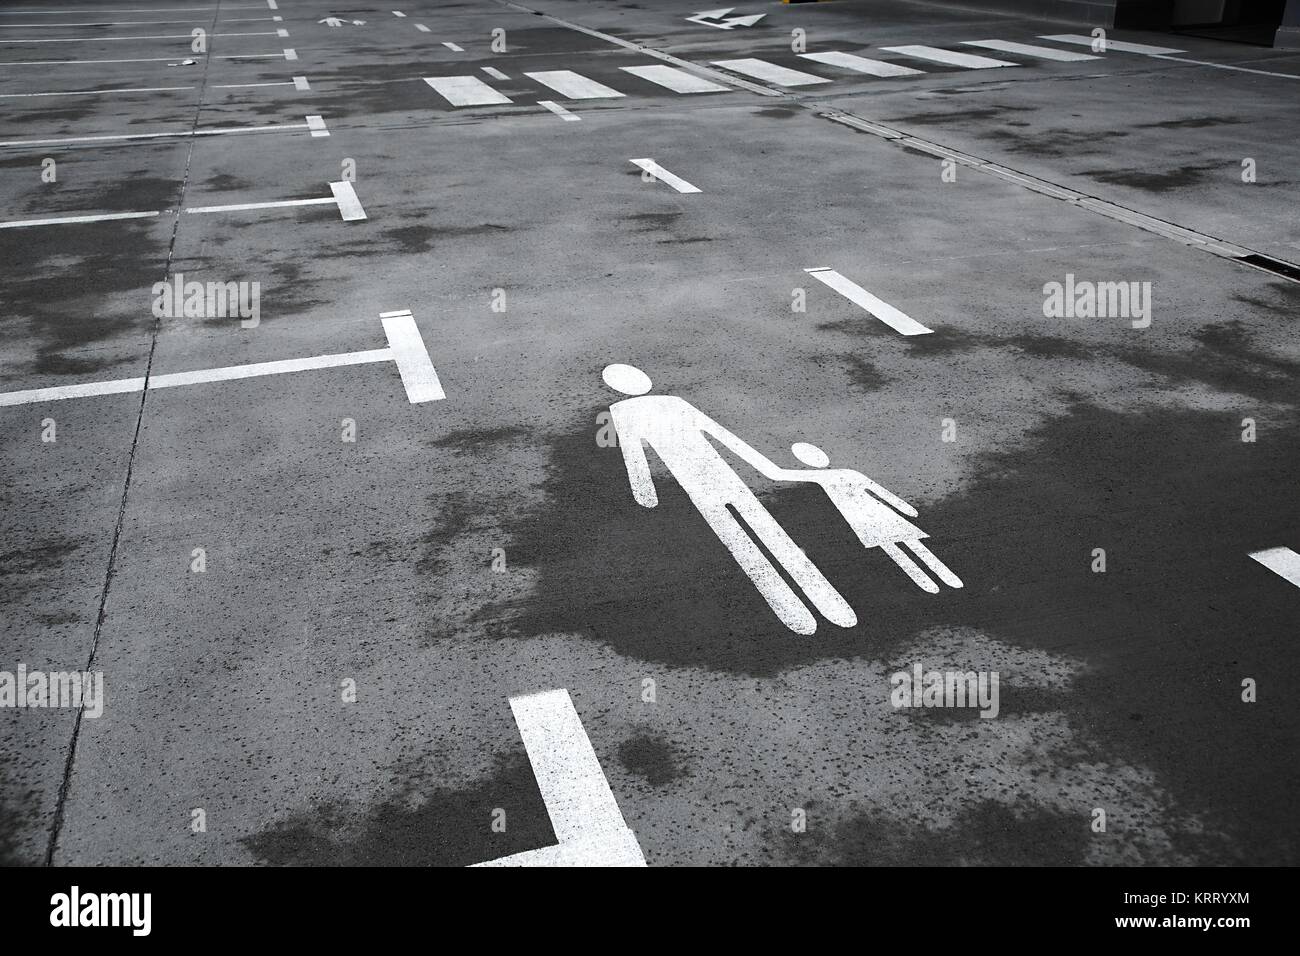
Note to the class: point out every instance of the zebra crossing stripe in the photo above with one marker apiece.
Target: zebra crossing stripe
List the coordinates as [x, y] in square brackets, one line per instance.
[679, 81]
[465, 90]
[967, 61]
[1029, 49]
[861, 64]
[762, 70]
[1116, 45]
[573, 86]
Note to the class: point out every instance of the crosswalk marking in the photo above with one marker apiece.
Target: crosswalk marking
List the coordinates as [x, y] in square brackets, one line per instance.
[968, 61]
[1118, 45]
[573, 86]
[493, 72]
[465, 90]
[1281, 561]
[861, 64]
[679, 81]
[1029, 49]
[664, 176]
[898, 321]
[762, 70]
[559, 111]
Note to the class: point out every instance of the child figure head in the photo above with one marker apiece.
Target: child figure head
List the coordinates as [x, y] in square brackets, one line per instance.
[810, 455]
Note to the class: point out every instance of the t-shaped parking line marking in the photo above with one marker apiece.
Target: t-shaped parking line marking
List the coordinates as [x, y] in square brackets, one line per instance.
[405, 349]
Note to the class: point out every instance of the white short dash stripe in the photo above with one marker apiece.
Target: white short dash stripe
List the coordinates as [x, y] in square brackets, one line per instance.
[861, 64]
[1029, 49]
[281, 32]
[419, 377]
[584, 814]
[1117, 45]
[967, 61]
[496, 74]
[664, 176]
[892, 317]
[349, 205]
[398, 13]
[559, 111]
[1281, 561]
[290, 53]
[452, 46]
[679, 81]
[61, 220]
[317, 126]
[762, 70]
[422, 28]
[465, 90]
[573, 86]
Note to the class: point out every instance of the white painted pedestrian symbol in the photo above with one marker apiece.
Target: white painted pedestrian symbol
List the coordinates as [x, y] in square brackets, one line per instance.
[332, 21]
[679, 434]
[719, 19]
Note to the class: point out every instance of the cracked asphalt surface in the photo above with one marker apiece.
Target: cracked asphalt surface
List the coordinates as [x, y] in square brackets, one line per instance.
[466, 551]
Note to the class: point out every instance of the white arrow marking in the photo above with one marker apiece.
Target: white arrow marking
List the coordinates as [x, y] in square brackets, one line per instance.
[584, 814]
[1281, 561]
[892, 317]
[405, 349]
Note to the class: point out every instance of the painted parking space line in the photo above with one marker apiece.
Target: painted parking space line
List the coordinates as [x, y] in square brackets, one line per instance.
[861, 64]
[588, 824]
[243, 86]
[573, 86]
[898, 321]
[1281, 561]
[317, 129]
[405, 349]
[1030, 49]
[342, 195]
[300, 83]
[197, 21]
[936, 54]
[136, 89]
[1116, 45]
[173, 36]
[465, 91]
[559, 111]
[679, 81]
[664, 176]
[762, 70]
[64, 220]
[454, 47]
[496, 74]
[1225, 66]
[288, 54]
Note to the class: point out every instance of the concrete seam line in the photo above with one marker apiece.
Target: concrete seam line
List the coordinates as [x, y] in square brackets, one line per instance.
[1223, 248]
[703, 71]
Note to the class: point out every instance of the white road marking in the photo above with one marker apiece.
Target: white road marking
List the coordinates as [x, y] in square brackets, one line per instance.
[241, 86]
[1030, 49]
[317, 126]
[241, 206]
[422, 28]
[465, 90]
[130, 136]
[1225, 66]
[280, 32]
[679, 81]
[23, 223]
[584, 814]
[664, 176]
[967, 61]
[559, 111]
[1281, 561]
[573, 86]
[762, 70]
[493, 72]
[137, 89]
[405, 349]
[452, 46]
[133, 23]
[175, 36]
[861, 64]
[1118, 45]
[55, 13]
[349, 206]
[290, 53]
[419, 377]
[300, 83]
[398, 13]
[272, 4]
[892, 317]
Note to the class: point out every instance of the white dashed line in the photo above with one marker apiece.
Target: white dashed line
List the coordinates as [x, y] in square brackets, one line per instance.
[559, 111]
[664, 176]
[892, 317]
[1281, 561]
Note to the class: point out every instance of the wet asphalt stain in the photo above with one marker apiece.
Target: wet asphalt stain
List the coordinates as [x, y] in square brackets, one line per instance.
[776, 112]
[686, 241]
[987, 833]
[25, 570]
[1056, 142]
[55, 363]
[1196, 123]
[1178, 618]
[653, 758]
[652, 221]
[420, 825]
[224, 182]
[1159, 181]
[474, 440]
[978, 115]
